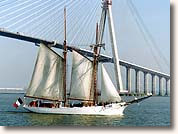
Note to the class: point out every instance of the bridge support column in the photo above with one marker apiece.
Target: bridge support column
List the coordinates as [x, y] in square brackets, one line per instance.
[167, 81]
[161, 86]
[137, 81]
[145, 83]
[128, 79]
[153, 78]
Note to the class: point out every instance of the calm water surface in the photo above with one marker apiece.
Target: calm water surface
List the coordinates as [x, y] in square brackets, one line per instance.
[154, 111]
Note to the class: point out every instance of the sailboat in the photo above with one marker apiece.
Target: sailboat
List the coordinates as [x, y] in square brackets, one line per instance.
[46, 87]
[47, 90]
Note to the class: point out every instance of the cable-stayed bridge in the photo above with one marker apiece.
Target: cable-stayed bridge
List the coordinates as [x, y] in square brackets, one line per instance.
[29, 20]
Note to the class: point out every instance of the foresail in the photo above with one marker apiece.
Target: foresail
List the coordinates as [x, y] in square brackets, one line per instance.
[47, 79]
[81, 79]
[108, 91]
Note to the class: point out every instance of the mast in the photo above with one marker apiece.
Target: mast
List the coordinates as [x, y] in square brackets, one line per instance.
[65, 57]
[95, 67]
[107, 11]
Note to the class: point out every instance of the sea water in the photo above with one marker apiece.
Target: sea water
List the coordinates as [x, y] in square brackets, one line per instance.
[154, 111]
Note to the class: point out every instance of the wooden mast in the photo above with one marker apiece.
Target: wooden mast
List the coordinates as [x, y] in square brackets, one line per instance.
[65, 56]
[95, 67]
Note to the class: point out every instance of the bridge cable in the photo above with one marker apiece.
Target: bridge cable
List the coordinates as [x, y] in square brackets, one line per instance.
[143, 32]
[147, 32]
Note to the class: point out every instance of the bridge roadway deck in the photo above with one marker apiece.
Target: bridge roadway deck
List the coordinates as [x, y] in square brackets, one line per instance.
[102, 58]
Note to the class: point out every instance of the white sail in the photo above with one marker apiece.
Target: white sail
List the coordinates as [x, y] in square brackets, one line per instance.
[108, 91]
[81, 79]
[47, 79]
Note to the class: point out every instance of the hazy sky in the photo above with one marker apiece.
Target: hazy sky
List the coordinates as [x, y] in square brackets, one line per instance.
[17, 58]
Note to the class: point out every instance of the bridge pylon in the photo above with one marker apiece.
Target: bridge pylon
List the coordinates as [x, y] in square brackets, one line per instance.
[107, 13]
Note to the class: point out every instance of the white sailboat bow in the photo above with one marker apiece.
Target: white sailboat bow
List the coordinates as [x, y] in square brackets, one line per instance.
[47, 84]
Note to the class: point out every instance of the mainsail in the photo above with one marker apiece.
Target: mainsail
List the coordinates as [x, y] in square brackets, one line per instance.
[47, 79]
[108, 91]
[81, 78]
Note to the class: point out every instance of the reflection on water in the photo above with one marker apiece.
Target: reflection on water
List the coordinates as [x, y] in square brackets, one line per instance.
[72, 120]
[154, 111]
